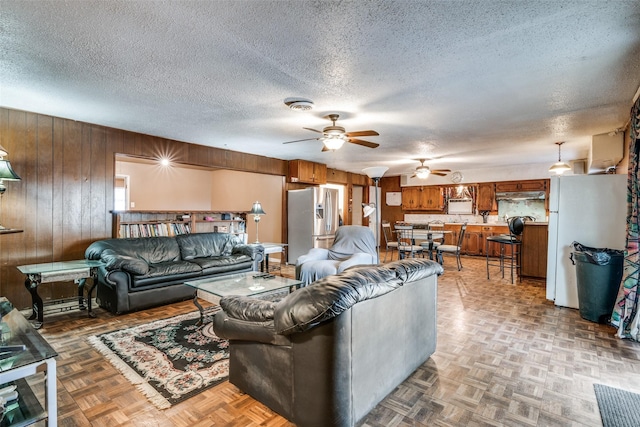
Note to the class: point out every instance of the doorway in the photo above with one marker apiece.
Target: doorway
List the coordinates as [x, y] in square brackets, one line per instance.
[356, 203]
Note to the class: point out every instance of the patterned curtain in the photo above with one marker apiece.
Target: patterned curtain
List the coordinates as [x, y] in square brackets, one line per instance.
[625, 314]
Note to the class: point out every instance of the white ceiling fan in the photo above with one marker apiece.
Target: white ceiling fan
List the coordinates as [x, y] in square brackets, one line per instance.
[423, 172]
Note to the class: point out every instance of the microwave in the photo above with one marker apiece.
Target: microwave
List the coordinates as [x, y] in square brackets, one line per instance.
[460, 206]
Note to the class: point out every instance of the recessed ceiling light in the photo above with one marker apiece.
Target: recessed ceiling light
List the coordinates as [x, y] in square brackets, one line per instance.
[299, 104]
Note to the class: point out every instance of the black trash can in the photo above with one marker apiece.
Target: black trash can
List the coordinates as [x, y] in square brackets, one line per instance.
[598, 276]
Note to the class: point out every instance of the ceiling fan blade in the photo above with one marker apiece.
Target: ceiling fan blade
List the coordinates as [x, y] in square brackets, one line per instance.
[438, 173]
[299, 140]
[313, 130]
[441, 170]
[363, 133]
[363, 143]
[414, 175]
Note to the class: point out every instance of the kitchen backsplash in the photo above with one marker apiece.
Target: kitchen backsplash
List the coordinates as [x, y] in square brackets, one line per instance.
[471, 219]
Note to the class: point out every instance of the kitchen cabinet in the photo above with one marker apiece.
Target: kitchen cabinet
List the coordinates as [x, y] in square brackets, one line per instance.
[451, 238]
[486, 200]
[529, 185]
[306, 172]
[534, 250]
[426, 198]
[473, 243]
[493, 230]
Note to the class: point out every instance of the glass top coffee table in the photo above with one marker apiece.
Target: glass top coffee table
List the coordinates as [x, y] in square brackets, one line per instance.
[243, 284]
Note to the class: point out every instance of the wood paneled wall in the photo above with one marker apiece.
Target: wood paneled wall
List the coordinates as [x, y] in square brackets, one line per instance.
[64, 199]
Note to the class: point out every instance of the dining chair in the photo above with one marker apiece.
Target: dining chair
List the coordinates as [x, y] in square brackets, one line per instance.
[452, 249]
[390, 243]
[406, 242]
[512, 241]
[435, 237]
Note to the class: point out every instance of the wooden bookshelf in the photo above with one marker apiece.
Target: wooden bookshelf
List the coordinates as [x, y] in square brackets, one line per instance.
[171, 223]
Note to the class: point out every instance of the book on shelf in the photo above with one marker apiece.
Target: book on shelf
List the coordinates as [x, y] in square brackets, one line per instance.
[153, 229]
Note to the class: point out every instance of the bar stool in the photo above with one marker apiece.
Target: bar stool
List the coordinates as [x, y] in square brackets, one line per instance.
[390, 244]
[511, 240]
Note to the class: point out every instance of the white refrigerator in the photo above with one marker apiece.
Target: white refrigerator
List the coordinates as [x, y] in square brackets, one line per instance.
[589, 209]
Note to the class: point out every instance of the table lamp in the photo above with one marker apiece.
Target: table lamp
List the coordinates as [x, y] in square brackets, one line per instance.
[256, 211]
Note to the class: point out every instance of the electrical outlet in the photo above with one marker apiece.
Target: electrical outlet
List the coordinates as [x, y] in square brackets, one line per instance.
[133, 204]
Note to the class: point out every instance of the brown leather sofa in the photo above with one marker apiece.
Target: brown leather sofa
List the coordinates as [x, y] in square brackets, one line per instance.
[327, 353]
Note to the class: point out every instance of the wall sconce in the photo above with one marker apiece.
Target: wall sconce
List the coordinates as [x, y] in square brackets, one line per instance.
[559, 167]
[256, 211]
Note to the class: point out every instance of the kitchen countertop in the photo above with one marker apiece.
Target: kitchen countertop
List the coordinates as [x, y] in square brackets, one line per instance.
[494, 224]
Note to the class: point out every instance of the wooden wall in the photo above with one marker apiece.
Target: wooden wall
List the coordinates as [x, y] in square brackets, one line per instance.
[64, 199]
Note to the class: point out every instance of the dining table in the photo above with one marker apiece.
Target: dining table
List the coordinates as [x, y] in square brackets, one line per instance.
[425, 235]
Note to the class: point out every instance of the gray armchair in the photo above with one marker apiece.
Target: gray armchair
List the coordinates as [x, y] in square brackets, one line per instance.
[353, 245]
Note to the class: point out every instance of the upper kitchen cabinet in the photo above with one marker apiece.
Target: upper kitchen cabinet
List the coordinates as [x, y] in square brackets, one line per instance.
[427, 198]
[485, 201]
[303, 171]
[530, 185]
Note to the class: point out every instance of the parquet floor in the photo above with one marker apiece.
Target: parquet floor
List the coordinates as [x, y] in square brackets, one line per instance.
[505, 357]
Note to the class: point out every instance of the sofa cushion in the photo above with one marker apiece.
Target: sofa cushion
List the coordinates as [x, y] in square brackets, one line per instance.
[223, 264]
[168, 272]
[332, 295]
[204, 245]
[115, 261]
[153, 250]
[411, 269]
[247, 308]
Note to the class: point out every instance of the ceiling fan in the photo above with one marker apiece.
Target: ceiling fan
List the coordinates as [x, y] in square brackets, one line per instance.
[334, 136]
[423, 171]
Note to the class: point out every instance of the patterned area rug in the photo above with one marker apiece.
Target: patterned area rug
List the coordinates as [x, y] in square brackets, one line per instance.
[169, 360]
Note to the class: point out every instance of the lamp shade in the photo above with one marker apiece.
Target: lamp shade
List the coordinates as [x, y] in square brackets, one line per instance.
[423, 172]
[6, 172]
[368, 209]
[559, 168]
[333, 142]
[375, 171]
[256, 209]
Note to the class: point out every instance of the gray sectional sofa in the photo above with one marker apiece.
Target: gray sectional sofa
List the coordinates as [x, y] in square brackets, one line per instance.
[326, 354]
[143, 272]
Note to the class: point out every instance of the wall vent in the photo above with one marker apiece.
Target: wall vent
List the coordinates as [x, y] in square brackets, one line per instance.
[579, 166]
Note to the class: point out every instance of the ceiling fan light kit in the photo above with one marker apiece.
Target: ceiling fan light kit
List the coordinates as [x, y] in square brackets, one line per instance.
[333, 142]
[333, 137]
[559, 167]
[423, 172]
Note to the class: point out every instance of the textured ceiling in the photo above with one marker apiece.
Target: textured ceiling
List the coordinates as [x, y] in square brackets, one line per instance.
[470, 83]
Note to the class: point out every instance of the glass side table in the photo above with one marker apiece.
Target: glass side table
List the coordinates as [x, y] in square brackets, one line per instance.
[60, 271]
[23, 353]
